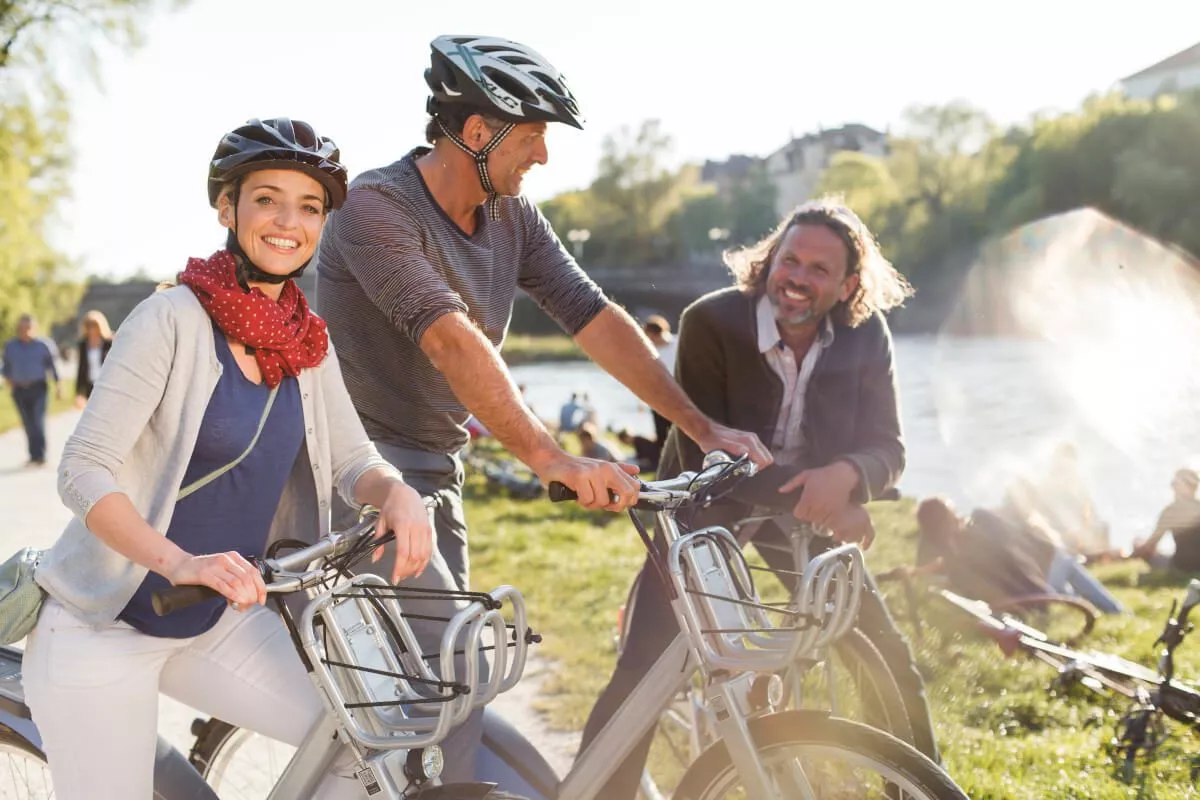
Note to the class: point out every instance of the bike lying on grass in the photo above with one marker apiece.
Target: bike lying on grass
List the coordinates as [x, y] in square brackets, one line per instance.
[1155, 695]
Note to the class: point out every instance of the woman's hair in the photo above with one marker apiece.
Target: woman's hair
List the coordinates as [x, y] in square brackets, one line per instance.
[880, 286]
[98, 319]
[936, 518]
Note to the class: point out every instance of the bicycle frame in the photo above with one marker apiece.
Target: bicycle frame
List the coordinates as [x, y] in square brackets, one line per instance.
[729, 668]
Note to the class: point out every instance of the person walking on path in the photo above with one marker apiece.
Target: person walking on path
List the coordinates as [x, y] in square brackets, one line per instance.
[28, 362]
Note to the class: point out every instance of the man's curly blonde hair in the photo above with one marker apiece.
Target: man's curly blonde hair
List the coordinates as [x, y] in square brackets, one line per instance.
[880, 286]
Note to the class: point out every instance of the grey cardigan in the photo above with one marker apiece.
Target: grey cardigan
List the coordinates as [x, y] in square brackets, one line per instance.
[137, 435]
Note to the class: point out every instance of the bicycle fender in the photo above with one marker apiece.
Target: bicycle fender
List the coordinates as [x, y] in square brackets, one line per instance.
[23, 727]
[508, 759]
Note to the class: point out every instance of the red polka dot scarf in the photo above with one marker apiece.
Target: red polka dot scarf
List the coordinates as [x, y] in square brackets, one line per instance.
[286, 335]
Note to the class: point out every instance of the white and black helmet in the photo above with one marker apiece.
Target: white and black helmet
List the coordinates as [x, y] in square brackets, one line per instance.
[501, 78]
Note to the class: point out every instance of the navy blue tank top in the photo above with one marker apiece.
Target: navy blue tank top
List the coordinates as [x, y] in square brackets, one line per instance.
[235, 511]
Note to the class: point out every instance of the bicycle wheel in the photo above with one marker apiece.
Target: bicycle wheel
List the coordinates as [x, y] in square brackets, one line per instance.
[854, 682]
[24, 773]
[837, 758]
[237, 763]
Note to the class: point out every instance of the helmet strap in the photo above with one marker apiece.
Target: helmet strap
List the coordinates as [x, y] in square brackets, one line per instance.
[480, 157]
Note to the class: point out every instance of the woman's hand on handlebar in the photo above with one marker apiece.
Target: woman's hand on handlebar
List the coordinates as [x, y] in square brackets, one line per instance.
[599, 484]
[230, 574]
[404, 513]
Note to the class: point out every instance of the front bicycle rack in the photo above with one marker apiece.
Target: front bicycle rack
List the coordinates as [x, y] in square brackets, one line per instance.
[386, 692]
[729, 624]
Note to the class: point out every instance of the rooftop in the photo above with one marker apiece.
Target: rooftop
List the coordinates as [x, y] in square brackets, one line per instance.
[1184, 58]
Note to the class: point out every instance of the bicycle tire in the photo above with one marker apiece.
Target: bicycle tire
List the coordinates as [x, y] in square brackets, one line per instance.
[15, 745]
[885, 706]
[821, 734]
[218, 744]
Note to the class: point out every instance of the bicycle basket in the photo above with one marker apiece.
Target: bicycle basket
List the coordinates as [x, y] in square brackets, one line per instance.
[386, 692]
[733, 629]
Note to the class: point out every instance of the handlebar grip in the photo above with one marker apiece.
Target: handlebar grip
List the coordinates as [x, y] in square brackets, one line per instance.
[559, 493]
[167, 601]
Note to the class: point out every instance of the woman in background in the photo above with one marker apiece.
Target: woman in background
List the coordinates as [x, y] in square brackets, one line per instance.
[95, 340]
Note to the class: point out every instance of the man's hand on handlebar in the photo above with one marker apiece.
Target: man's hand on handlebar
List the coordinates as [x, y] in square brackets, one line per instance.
[229, 574]
[736, 443]
[600, 484]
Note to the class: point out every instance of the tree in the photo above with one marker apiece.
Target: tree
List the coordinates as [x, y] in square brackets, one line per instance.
[630, 207]
[751, 207]
[34, 154]
[28, 28]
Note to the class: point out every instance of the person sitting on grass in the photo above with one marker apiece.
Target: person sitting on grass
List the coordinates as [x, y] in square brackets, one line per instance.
[590, 445]
[645, 451]
[1182, 520]
[994, 559]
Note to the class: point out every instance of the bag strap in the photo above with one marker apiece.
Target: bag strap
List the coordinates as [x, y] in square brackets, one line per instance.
[212, 476]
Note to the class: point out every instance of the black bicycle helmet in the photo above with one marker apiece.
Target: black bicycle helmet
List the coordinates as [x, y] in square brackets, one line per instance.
[501, 78]
[279, 143]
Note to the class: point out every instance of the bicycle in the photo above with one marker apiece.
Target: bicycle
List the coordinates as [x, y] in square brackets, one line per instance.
[725, 639]
[364, 660]
[1069, 619]
[848, 675]
[1154, 694]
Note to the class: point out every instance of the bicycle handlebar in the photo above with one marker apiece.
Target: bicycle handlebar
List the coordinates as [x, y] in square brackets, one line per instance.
[661, 495]
[175, 598]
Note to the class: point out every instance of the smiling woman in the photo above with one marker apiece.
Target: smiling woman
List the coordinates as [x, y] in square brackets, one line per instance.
[220, 418]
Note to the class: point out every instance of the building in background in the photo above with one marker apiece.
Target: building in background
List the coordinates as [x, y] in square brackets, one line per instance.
[795, 169]
[726, 176]
[1177, 73]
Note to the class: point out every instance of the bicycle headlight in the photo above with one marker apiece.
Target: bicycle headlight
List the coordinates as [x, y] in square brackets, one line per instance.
[775, 694]
[424, 764]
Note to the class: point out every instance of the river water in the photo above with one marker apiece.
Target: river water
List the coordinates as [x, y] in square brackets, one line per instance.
[977, 411]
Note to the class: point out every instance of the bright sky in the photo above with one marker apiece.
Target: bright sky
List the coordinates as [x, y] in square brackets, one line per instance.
[741, 77]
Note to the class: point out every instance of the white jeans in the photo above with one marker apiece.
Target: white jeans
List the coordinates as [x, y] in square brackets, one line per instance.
[94, 696]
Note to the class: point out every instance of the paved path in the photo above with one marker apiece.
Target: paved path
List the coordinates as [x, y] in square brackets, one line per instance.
[32, 514]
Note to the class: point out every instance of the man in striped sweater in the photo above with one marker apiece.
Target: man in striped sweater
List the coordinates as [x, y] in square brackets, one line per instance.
[417, 275]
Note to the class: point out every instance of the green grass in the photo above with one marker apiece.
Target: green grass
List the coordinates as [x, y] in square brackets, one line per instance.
[1003, 733]
[524, 349]
[9, 418]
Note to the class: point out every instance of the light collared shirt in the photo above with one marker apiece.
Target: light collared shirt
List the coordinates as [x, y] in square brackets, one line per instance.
[667, 353]
[788, 438]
